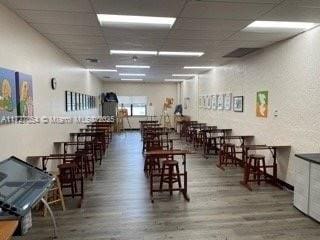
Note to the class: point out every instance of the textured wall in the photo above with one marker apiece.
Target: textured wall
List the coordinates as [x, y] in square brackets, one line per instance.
[290, 72]
[23, 49]
[156, 93]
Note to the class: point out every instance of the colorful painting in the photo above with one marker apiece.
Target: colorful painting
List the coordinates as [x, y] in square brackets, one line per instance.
[238, 104]
[214, 103]
[262, 104]
[8, 98]
[227, 101]
[220, 101]
[24, 94]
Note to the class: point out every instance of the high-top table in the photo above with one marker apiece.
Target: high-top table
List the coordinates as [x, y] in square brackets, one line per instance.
[273, 149]
[166, 154]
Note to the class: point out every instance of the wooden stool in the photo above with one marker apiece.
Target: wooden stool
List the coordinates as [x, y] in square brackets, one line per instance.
[67, 177]
[155, 166]
[171, 177]
[227, 155]
[254, 165]
[54, 196]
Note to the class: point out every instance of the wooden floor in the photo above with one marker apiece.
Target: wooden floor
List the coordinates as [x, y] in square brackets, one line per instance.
[117, 205]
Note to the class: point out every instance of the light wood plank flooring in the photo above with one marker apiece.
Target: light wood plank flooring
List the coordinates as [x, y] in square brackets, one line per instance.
[117, 205]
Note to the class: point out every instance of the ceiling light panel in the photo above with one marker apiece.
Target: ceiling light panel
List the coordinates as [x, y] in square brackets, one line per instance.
[131, 79]
[187, 54]
[108, 19]
[280, 24]
[101, 70]
[184, 75]
[174, 80]
[132, 74]
[132, 66]
[132, 52]
[198, 67]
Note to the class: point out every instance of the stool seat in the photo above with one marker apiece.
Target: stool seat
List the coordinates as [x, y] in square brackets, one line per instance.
[170, 162]
[257, 156]
[230, 144]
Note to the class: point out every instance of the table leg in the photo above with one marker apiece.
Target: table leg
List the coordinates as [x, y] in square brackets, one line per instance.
[151, 178]
[185, 182]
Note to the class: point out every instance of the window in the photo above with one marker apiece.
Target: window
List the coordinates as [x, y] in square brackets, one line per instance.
[136, 105]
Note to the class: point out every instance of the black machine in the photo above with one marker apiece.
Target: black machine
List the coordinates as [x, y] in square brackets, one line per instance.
[22, 186]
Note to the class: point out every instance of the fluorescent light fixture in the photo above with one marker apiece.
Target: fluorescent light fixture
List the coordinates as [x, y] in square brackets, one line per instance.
[131, 66]
[101, 70]
[125, 19]
[131, 74]
[184, 75]
[133, 52]
[174, 80]
[198, 67]
[283, 25]
[131, 79]
[197, 54]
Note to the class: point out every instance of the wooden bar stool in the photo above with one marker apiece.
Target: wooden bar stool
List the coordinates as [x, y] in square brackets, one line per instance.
[172, 177]
[67, 177]
[255, 164]
[227, 155]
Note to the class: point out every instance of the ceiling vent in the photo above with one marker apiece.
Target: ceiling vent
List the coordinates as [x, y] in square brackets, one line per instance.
[92, 60]
[106, 77]
[240, 52]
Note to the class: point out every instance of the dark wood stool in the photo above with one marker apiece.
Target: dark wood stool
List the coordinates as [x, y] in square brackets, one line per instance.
[254, 165]
[171, 177]
[148, 167]
[67, 177]
[227, 155]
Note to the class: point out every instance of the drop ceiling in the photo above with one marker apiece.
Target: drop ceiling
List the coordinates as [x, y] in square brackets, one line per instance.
[211, 26]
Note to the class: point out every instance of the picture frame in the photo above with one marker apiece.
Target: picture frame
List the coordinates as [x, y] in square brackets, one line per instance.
[227, 101]
[238, 104]
[73, 101]
[8, 96]
[68, 101]
[220, 100]
[262, 104]
[24, 94]
[214, 103]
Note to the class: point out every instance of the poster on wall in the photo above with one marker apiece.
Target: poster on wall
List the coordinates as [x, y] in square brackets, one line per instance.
[214, 102]
[262, 104]
[8, 98]
[220, 101]
[24, 94]
[238, 104]
[209, 102]
[227, 101]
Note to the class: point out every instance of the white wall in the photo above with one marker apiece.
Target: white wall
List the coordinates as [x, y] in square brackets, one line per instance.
[156, 93]
[23, 49]
[290, 72]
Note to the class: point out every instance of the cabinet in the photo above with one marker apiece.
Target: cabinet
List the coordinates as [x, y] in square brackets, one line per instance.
[307, 184]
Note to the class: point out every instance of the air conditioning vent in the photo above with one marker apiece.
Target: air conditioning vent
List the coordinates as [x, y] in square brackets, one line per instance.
[92, 60]
[241, 52]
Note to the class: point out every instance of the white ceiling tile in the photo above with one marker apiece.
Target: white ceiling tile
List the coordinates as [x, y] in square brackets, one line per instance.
[198, 34]
[290, 10]
[127, 34]
[53, 5]
[161, 8]
[67, 29]
[74, 39]
[250, 36]
[210, 24]
[225, 10]
[56, 17]
[135, 43]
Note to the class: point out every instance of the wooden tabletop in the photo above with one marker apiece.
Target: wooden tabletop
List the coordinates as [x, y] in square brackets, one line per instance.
[261, 147]
[237, 136]
[7, 229]
[167, 152]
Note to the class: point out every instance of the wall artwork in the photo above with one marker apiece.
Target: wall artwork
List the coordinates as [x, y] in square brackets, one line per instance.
[220, 101]
[208, 102]
[214, 103]
[68, 101]
[262, 104]
[238, 104]
[8, 97]
[227, 101]
[24, 94]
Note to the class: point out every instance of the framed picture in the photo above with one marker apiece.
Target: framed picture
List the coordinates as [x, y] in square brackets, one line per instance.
[79, 101]
[73, 101]
[238, 104]
[220, 100]
[214, 102]
[262, 102]
[83, 102]
[95, 102]
[208, 102]
[227, 101]
[86, 102]
[8, 97]
[68, 101]
[24, 94]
